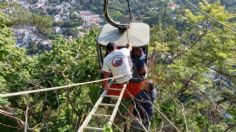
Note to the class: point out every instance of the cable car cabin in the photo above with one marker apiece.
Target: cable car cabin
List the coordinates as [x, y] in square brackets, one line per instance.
[137, 34]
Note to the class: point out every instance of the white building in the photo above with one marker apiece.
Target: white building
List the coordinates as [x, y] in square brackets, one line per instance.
[90, 18]
[58, 18]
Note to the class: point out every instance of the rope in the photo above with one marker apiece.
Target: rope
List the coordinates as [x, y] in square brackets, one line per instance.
[231, 28]
[56, 88]
[127, 35]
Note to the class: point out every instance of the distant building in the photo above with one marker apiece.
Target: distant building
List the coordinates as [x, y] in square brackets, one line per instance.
[90, 18]
[57, 18]
[57, 30]
[172, 5]
[22, 37]
[66, 16]
[85, 13]
[45, 45]
[60, 11]
[222, 81]
[25, 36]
[9, 1]
[81, 34]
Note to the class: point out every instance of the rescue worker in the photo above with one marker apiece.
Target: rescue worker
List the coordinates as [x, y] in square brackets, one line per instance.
[139, 63]
[117, 62]
[142, 108]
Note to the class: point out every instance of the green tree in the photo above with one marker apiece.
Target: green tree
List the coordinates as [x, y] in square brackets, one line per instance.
[67, 62]
[12, 70]
[188, 58]
[184, 55]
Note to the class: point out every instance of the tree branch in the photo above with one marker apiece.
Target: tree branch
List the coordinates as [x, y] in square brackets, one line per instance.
[26, 118]
[20, 122]
[230, 127]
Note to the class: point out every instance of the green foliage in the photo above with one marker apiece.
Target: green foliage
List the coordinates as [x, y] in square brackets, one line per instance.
[107, 128]
[187, 60]
[67, 62]
[188, 50]
[11, 57]
[3, 102]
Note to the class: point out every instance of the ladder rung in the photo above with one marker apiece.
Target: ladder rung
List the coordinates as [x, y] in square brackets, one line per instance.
[111, 96]
[104, 104]
[114, 89]
[101, 115]
[94, 128]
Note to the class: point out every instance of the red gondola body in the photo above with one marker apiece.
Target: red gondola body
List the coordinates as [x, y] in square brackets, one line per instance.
[133, 88]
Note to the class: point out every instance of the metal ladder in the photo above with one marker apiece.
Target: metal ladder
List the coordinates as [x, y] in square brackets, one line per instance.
[92, 113]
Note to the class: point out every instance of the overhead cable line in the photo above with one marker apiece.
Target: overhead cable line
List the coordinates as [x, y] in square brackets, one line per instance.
[130, 15]
[57, 88]
[213, 18]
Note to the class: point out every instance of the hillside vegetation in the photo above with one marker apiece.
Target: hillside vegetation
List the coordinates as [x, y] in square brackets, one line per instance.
[191, 60]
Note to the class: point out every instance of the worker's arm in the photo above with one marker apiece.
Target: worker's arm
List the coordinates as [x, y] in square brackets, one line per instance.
[129, 47]
[105, 83]
[143, 71]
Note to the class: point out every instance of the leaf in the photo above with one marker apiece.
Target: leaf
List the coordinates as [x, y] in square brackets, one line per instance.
[3, 102]
[107, 128]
